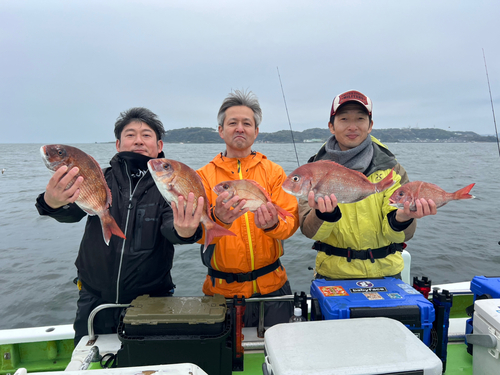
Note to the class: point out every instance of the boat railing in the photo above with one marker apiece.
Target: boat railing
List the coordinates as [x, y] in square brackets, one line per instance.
[260, 300]
[93, 313]
[455, 288]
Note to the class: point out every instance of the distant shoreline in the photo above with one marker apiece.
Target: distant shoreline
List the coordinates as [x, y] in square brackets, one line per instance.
[320, 135]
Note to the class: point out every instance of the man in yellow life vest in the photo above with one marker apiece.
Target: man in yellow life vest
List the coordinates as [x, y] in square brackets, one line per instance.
[362, 239]
[247, 264]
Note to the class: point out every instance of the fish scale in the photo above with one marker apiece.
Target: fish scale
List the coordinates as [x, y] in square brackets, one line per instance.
[95, 196]
[250, 191]
[175, 179]
[325, 177]
[418, 189]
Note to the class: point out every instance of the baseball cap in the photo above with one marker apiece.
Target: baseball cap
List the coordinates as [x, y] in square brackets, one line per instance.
[351, 96]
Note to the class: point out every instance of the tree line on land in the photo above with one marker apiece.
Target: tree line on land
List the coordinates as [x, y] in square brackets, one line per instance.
[210, 135]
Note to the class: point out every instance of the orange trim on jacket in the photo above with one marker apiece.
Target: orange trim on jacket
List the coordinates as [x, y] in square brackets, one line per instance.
[252, 248]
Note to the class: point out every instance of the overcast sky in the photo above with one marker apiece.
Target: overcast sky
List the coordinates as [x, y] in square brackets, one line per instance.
[68, 68]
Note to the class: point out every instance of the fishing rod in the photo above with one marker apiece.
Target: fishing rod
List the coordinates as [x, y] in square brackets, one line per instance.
[289, 123]
[492, 108]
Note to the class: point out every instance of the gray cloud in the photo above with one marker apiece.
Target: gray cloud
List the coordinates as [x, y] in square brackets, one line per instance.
[69, 68]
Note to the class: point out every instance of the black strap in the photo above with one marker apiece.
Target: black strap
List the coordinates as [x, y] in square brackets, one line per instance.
[349, 253]
[90, 289]
[243, 277]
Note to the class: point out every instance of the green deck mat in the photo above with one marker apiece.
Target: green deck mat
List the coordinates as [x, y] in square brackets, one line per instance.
[458, 360]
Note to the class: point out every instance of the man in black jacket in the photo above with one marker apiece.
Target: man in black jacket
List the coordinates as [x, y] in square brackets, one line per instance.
[141, 264]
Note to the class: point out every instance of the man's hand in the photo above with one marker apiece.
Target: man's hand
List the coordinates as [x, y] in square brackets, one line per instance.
[424, 208]
[56, 195]
[223, 210]
[185, 221]
[266, 216]
[326, 204]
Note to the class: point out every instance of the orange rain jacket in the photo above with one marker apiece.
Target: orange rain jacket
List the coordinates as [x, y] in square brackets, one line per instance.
[252, 248]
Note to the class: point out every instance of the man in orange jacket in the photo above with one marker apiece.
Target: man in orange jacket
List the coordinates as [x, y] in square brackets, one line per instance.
[248, 265]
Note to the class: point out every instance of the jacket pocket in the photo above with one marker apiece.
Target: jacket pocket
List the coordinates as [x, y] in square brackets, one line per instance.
[146, 228]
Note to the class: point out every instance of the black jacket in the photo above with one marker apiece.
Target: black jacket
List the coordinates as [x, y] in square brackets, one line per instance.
[140, 264]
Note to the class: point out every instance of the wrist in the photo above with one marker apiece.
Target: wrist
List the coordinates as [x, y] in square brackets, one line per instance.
[396, 225]
[217, 218]
[272, 227]
[401, 217]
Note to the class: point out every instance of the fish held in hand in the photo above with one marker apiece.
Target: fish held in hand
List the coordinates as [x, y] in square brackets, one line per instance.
[250, 191]
[325, 177]
[95, 196]
[417, 189]
[175, 179]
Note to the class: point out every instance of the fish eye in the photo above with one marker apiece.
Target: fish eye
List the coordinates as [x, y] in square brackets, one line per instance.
[295, 178]
[225, 186]
[401, 193]
[166, 166]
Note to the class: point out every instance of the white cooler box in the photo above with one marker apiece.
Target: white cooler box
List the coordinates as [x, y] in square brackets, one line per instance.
[486, 337]
[361, 346]
[176, 369]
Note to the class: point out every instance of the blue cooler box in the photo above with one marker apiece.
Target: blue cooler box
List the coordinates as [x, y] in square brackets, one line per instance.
[483, 287]
[387, 297]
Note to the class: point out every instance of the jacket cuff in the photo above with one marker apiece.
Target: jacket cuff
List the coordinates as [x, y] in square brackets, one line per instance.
[43, 208]
[272, 228]
[396, 225]
[331, 217]
[217, 220]
[195, 237]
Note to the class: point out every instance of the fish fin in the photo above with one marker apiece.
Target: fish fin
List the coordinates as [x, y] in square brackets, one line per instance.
[109, 227]
[417, 194]
[282, 212]
[260, 187]
[213, 230]
[386, 183]
[464, 193]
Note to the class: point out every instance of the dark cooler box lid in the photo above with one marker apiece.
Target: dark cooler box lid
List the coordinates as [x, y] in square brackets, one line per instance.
[146, 310]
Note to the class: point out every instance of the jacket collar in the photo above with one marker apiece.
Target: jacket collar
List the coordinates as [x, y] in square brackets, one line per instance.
[382, 157]
[121, 169]
[231, 164]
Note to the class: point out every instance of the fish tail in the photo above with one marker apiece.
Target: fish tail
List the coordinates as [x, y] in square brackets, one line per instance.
[386, 183]
[213, 230]
[282, 212]
[109, 227]
[464, 193]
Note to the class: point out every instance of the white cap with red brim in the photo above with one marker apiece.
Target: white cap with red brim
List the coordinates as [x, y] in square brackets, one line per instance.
[351, 96]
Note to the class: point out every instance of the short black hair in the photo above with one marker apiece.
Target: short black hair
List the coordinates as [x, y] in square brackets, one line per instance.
[139, 114]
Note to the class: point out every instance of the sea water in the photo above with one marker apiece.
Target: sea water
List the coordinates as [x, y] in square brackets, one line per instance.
[37, 253]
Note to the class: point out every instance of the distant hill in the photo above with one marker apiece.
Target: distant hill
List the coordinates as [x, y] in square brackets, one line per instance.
[320, 135]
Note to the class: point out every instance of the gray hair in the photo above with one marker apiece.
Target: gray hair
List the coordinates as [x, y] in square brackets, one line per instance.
[237, 98]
